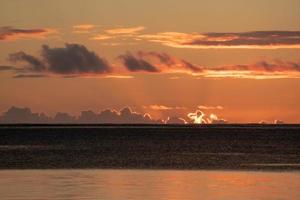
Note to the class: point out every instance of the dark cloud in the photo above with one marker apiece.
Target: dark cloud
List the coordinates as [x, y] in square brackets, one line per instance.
[34, 63]
[23, 115]
[30, 76]
[74, 59]
[262, 66]
[108, 116]
[6, 68]
[169, 61]
[7, 33]
[69, 60]
[257, 38]
[135, 64]
[63, 118]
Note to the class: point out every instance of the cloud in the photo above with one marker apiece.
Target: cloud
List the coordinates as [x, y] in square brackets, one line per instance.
[165, 63]
[23, 115]
[124, 116]
[63, 118]
[6, 68]
[74, 59]
[83, 28]
[277, 121]
[157, 62]
[214, 119]
[261, 70]
[236, 40]
[162, 107]
[202, 107]
[35, 63]
[30, 76]
[10, 34]
[199, 117]
[119, 33]
[170, 62]
[102, 37]
[134, 63]
[71, 59]
[125, 31]
[175, 120]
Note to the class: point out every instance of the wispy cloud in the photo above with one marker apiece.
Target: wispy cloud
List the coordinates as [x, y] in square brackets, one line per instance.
[261, 70]
[203, 107]
[119, 33]
[83, 28]
[125, 31]
[236, 40]
[102, 37]
[10, 34]
[30, 76]
[163, 107]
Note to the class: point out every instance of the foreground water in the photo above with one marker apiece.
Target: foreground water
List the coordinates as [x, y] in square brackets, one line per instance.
[147, 184]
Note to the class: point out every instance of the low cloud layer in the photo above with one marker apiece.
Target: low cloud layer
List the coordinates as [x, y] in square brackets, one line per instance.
[108, 116]
[8, 33]
[111, 116]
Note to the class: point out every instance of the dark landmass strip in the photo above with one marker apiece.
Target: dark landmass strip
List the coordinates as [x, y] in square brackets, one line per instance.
[242, 147]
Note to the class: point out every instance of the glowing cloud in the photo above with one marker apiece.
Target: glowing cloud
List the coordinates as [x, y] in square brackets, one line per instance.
[199, 117]
[162, 107]
[234, 40]
[126, 31]
[83, 28]
[202, 107]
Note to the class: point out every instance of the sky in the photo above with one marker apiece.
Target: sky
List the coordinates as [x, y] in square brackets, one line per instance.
[193, 61]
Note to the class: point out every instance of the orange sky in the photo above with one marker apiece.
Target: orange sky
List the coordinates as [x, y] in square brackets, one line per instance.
[236, 59]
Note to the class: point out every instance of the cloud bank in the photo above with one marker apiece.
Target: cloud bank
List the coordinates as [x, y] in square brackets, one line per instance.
[233, 40]
[75, 60]
[108, 116]
[111, 116]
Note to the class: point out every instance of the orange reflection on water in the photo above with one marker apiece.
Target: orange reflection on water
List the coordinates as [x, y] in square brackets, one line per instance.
[148, 184]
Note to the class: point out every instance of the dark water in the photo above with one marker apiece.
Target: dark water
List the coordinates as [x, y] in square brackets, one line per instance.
[77, 162]
[147, 184]
[150, 147]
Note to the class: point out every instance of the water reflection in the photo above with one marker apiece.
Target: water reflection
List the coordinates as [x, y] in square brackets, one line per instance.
[147, 184]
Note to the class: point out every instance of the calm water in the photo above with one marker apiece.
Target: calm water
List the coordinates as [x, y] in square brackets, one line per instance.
[147, 184]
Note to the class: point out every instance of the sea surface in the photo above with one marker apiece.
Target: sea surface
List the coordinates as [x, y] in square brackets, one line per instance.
[181, 147]
[102, 184]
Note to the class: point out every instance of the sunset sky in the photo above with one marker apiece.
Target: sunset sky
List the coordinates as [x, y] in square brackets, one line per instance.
[237, 59]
